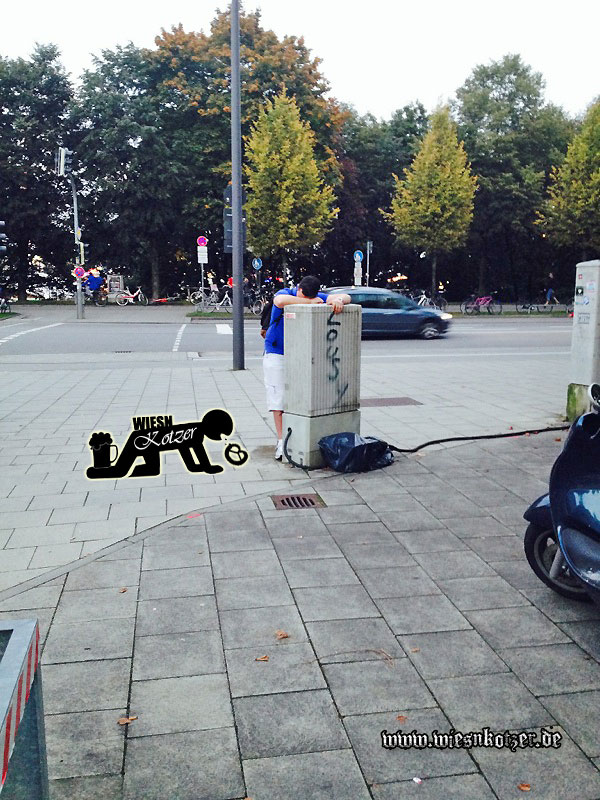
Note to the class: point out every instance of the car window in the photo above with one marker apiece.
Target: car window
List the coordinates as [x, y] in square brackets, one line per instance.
[366, 300]
[398, 301]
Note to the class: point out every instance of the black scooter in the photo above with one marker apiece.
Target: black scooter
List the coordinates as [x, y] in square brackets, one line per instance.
[562, 542]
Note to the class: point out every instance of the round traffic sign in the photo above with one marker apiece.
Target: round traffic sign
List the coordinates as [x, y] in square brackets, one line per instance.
[79, 272]
[257, 263]
[358, 255]
[202, 241]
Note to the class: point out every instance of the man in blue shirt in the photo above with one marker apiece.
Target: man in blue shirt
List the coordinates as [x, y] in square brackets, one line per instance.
[307, 292]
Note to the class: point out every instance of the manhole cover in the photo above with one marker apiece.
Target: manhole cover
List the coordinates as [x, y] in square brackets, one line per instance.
[291, 501]
[388, 401]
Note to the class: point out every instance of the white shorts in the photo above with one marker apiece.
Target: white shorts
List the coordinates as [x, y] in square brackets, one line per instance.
[274, 380]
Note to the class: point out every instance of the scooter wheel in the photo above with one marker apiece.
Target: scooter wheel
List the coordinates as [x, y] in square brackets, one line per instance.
[540, 548]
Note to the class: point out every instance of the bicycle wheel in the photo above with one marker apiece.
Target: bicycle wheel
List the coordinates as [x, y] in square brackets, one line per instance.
[471, 307]
[122, 299]
[256, 307]
[495, 307]
[196, 297]
[523, 308]
[142, 299]
[464, 304]
[102, 299]
[441, 303]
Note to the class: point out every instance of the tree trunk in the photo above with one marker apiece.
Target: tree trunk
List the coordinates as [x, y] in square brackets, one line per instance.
[434, 276]
[155, 272]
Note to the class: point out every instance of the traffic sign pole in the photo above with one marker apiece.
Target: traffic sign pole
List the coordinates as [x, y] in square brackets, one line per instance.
[358, 257]
[236, 191]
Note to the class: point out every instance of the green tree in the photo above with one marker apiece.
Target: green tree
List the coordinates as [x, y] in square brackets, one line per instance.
[512, 138]
[571, 215]
[34, 98]
[289, 208]
[432, 207]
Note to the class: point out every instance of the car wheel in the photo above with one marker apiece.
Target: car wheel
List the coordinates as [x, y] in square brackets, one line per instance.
[429, 330]
[540, 548]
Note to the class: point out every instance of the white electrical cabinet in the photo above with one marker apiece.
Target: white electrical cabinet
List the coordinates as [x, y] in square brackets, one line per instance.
[322, 376]
[585, 339]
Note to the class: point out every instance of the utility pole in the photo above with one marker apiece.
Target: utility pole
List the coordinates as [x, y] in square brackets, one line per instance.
[236, 192]
[64, 168]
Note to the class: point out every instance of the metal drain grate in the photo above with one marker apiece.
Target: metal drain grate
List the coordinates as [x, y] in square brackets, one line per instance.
[367, 402]
[122, 351]
[287, 502]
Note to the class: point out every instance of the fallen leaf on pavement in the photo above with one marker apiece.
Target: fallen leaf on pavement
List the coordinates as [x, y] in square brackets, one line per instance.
[415, 649]
[558, 439]
[418, 780]
[401, 718]
[191, 516]
[126, 720]
[262, 658]
[282, 635]
[124, 589]
[525, 787]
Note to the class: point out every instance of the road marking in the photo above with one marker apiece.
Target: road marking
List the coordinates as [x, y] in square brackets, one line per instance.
[485, 354]
[177, 341]
[225, 329]
[30, 330]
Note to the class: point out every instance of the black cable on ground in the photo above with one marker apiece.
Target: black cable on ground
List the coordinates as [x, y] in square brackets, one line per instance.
[474, 438]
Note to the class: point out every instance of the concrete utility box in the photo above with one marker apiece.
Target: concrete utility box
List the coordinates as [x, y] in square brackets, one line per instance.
[23, 767]
[585, 340]
[322, 377]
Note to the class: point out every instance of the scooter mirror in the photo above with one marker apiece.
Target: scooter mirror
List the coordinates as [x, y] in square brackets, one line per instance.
[594, 394]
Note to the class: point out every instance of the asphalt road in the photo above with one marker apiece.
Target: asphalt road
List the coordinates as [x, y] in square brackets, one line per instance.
[54, 330]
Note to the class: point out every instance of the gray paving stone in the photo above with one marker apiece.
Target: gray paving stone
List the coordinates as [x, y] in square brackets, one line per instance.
[553, 669]
[44, 596]
[380, 765]
[461, 564]
[84, 744]
[450, 654]
[86, 686]
[173, 654]
[498, 548]
[515, 628]
[476, 527]
[518, 573]
[457, 787]
[257, 627]
[577, 713]
[351, 513]
[305, 526]
[469, 594]
[474, 701]
[235, 593]
[369, 556]
[448, 504]
[177, 615]
[366, 687]
[292, 668]
[337, 641]
[129, 551]
[397, 582]
[244, 540]
[561, 609]
[333, 775]
[89, 641]
[422, 614]
[170, 556]
[319, 572]
[411, 521]
[176, 705]
[251, 564]
[512, 515]
[233, 521]
[334, 602]
[184, 582]
[429, 541]
[203, 765]
[88, 604]
[306, 547]
[586, 634]
[102, 575]
[554, 774]
[108, 787]
[306, 722]
[361, 533]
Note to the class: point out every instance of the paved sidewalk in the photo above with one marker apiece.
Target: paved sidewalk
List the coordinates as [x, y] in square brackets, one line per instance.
[262, 652]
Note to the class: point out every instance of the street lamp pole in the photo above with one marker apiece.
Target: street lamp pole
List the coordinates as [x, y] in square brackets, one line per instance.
[79, 297]
[236, 192]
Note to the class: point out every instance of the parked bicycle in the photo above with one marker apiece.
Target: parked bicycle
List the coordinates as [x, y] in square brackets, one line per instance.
[543, 306]
[99, 297]
[123, 298]
[475, 304]
[422, 298]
